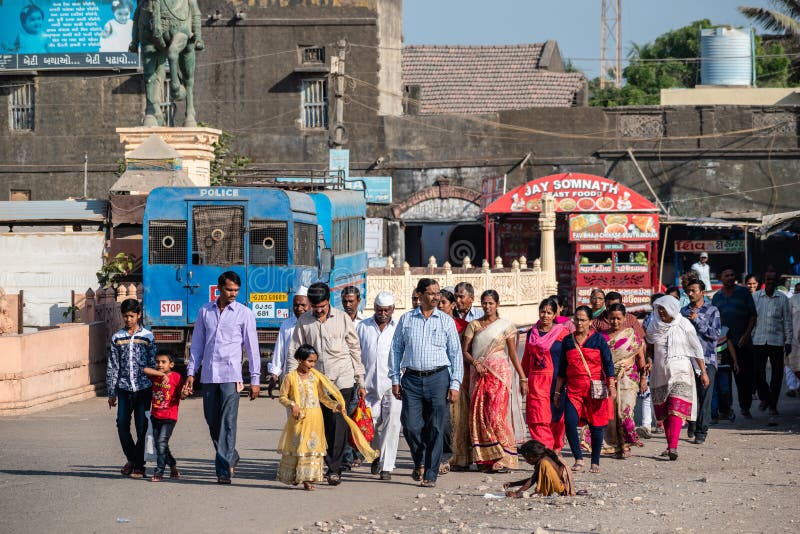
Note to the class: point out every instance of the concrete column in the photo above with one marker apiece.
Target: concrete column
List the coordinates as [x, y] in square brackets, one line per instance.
[547, 227]
[396, 241]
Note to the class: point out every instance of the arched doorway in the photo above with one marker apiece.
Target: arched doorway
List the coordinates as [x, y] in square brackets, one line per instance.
[442, 221]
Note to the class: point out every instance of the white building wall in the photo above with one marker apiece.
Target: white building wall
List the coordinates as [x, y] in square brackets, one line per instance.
[47, 266]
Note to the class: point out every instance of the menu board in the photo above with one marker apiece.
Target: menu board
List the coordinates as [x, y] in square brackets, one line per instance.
[613, 227]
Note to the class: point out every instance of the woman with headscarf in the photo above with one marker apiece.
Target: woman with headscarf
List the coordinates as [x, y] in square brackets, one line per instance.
[540, 363]
[627, 350]
[677, 351]
[597, 300]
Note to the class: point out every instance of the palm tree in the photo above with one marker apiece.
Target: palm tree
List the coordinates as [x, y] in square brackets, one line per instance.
[785, 18]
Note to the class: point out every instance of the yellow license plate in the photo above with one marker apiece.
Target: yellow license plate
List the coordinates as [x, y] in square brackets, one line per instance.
[269, 297]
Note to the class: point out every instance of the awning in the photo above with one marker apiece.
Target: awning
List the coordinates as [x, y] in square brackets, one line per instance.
[53, 211]
[573, 192]
[780, 222]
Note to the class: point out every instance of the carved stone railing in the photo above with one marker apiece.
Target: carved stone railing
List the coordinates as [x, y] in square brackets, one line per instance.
[103, 305]
[520, 285]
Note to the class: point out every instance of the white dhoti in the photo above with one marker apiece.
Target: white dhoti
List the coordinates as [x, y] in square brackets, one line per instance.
[386, 418]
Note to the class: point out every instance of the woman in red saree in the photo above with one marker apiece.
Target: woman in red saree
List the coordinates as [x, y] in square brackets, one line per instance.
[489, 345]
[545, 420]
[585, 356]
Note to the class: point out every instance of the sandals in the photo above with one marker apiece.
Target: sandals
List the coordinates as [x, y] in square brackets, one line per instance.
[428, 484]
[499, 471]
[127, 469]
[417, 473]
[308, 486]
[595, 468]
[622, 454]
[444, 468]
[577, 467]
[334, 479]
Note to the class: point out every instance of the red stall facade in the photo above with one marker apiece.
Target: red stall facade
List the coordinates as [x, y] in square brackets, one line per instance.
[606, 235]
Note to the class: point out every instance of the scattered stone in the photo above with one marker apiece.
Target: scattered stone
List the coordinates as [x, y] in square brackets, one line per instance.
[539, 530]
[421, 495]
[399, 517]
[637, 499]
[726, 459]
[321, 524]
[601, 502]
[362, 518]
[482, 488]
[440, 501]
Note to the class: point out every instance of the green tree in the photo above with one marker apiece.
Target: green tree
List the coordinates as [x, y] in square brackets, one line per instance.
[227, 163]
[785, 18]
[671, 61]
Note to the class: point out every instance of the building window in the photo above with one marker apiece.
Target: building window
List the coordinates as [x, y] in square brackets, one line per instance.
[314, 101]
[22, 107]
[312, 55]
[19, 195]
[167, 105]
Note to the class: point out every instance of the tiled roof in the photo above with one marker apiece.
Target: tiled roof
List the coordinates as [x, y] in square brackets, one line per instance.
[483, 79]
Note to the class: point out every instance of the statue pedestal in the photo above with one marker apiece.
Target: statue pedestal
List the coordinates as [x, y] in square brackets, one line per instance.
[195, 146]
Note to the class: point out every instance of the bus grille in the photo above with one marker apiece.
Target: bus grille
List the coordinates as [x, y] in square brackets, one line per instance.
[168, 336]
[267, 337]
[218, 235]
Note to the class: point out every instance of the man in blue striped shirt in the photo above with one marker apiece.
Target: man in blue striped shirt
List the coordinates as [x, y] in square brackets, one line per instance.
[426, 350]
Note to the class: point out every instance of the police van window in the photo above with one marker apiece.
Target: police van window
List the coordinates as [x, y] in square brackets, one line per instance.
[166, 243]
[305, 244]
[218, 235]
[269, 243]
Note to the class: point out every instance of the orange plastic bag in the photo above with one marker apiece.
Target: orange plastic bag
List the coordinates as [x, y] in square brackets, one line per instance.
[362, 415]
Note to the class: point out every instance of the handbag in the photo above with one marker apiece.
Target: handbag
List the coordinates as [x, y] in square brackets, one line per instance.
[598, 388]
[362, 416]
[149, 441]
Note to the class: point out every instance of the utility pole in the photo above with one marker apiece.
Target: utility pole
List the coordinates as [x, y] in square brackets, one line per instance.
[611, 41]
[337, 134]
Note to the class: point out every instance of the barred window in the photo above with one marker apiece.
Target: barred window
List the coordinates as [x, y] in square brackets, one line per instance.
[314, 103]
[305, 244]
[312, 54]
[348, 235]
[167, 242]
[218, 235]
[269, 243]
[22, 107]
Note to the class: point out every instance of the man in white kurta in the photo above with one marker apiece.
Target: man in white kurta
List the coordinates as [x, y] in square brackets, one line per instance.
[375, 335]
[277, 365]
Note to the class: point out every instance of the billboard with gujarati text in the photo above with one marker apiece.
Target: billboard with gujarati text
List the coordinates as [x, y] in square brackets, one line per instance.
[66, 34]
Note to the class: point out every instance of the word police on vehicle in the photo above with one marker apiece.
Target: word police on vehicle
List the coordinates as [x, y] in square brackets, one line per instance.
[219, 192]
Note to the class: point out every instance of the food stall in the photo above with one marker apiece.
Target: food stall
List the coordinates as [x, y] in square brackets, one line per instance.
[606, 235]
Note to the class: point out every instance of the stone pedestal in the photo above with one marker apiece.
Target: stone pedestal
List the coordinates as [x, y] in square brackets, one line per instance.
[195, 145]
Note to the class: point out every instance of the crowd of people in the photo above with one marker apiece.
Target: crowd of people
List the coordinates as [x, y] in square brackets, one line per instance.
[449, 376]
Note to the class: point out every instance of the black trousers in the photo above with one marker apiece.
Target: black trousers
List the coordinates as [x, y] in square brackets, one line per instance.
[769, 392]
[336, 434]
[745, 379]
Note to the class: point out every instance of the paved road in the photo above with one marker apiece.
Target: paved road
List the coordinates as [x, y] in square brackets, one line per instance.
[59, 470]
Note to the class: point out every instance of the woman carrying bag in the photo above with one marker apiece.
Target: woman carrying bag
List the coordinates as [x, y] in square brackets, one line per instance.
[587, 368]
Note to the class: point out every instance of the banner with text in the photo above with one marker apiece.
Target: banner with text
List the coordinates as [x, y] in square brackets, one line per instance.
[66, 34]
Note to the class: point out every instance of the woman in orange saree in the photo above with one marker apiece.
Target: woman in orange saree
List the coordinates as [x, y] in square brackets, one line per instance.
[489, 345]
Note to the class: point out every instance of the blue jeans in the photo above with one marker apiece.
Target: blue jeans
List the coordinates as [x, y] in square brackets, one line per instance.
[571, 427]
[221, 409]
[423, 418]
[162, 430]
[133, 403]
[722, 401]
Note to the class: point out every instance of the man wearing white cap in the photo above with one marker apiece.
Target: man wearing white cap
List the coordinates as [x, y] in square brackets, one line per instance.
[703, 270]
[277, 366]
[375, 335]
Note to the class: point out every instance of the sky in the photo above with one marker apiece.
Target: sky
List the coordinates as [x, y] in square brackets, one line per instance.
[574, 24]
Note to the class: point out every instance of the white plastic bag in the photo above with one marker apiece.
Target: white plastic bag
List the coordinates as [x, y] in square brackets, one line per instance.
[149, 441]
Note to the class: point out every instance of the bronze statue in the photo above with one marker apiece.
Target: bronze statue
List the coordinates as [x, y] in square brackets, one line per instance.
[169, 33]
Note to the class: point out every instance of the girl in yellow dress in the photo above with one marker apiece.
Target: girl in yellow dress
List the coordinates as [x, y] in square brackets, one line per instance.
[302, 445]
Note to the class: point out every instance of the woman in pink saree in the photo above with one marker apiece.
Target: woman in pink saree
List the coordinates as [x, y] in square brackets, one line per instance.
[490, 346]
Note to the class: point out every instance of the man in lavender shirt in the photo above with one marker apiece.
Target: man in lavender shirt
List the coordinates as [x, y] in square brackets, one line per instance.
[221, 330]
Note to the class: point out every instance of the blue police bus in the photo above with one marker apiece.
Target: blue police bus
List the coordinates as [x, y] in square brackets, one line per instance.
[276, 240]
